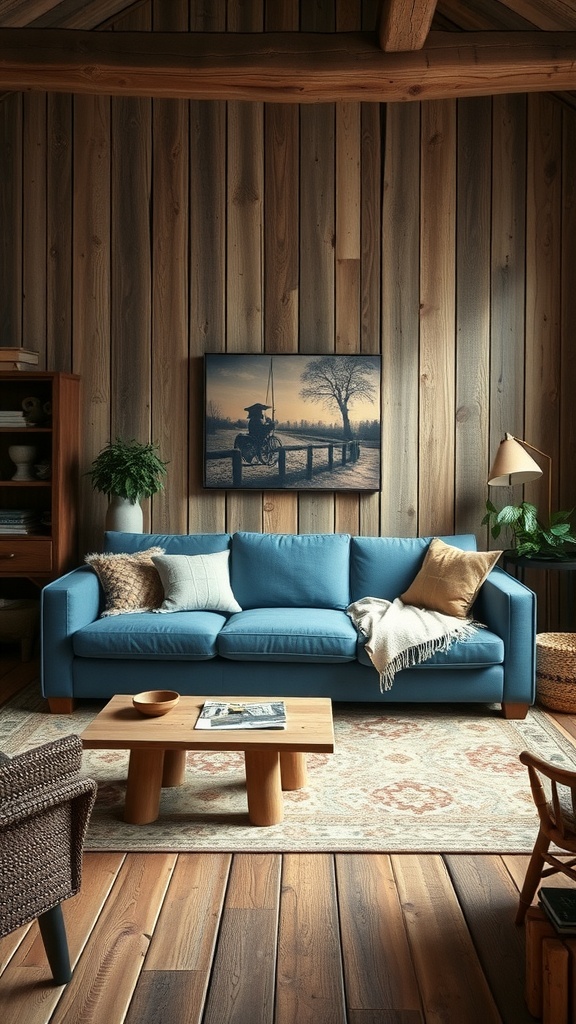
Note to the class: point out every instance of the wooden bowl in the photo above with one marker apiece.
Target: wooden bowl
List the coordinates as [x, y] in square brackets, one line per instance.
[155, 702]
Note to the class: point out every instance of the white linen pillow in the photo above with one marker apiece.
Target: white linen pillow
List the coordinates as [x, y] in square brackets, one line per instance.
[196, 583]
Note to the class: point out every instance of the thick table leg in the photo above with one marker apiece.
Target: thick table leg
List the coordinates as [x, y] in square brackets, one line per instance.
[293, 770]
[144, 784]
[263, 787]
[174, 767]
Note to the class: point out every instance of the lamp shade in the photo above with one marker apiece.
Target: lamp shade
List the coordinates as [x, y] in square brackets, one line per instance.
[512, 465]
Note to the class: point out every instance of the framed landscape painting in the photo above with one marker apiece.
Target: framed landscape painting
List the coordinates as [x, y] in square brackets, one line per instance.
[292, 422]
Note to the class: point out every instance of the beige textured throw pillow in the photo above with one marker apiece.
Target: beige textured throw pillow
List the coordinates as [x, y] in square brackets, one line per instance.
[449, 579]
[130, 582]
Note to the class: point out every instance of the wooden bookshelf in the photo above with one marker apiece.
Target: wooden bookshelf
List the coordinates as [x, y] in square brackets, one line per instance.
[51, 549]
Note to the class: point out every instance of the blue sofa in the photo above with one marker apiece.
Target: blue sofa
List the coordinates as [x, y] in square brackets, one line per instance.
[292, 637]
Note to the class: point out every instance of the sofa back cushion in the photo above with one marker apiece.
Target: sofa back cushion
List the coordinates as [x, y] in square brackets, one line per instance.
[172, 543]
[269, 570]
[385, 566]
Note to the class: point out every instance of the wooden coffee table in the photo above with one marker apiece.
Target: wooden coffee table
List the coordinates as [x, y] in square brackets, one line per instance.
[275, 759]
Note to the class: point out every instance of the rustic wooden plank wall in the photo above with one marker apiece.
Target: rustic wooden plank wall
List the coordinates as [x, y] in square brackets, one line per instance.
[139, 234]
[438, 141]
[281, 250]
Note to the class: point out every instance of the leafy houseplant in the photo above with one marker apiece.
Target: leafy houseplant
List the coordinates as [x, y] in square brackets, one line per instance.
[128, 469]
[531, 538]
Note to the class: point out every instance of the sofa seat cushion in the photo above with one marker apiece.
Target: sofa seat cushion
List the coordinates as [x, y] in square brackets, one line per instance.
[484, 648]
[288, 634]
[188, 635]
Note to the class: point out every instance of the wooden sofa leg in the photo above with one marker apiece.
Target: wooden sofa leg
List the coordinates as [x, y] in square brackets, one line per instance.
[61, 705]
[515, 710]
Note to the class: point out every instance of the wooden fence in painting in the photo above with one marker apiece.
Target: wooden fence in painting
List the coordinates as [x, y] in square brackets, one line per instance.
[350, 452]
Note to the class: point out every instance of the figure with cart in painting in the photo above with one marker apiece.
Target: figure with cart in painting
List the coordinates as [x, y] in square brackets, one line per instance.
[260, 444]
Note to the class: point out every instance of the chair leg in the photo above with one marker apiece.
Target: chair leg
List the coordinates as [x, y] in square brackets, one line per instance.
[53, 933]
[533, 875]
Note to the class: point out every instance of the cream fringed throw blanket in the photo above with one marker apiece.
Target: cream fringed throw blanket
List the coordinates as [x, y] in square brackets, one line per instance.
[400, 635]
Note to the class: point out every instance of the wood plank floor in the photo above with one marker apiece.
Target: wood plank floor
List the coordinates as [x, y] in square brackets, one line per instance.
[278, 939]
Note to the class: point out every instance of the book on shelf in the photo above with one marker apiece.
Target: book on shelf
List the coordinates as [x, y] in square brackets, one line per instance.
[17, 515]
[17, 520]
[560, 906]
[12, 419]
[19, 524]
[243, 715]
[19, 529]
[18, 355]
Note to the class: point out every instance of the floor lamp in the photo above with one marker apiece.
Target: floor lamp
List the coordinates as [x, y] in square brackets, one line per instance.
[513, 465]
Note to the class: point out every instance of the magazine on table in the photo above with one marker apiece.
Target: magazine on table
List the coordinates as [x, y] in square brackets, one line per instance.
[253, 715]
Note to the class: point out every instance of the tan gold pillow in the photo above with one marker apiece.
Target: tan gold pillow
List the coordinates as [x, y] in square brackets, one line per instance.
[131, 583]
[449, 579]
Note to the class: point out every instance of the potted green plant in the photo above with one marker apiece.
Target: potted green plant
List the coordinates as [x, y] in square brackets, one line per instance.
[127, 472]
[531, 538]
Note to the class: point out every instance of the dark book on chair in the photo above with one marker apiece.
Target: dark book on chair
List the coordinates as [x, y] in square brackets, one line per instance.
[560, 906]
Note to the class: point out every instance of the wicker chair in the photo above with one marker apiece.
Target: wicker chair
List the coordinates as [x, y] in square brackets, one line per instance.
[556, 805]
[45, 807]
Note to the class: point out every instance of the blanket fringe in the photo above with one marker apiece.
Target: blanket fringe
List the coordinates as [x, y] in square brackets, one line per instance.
[421, 652]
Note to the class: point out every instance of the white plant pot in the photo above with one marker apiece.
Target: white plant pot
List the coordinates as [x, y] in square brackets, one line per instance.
[124, 516]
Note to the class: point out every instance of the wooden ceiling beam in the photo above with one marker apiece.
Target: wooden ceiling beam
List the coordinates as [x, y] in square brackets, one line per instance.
[405, 24]
[290, 67]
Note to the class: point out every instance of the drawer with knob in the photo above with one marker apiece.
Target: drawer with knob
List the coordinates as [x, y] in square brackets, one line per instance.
[24, 557]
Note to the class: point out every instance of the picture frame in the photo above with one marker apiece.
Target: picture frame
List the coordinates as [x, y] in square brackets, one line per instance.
[292, 422]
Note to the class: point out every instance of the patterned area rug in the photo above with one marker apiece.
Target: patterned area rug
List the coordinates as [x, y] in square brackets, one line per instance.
[417, 778]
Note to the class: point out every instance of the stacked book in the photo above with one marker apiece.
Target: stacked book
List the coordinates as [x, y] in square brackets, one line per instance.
[12, 418]
[17, 359]
[560, 906]
[19, 520]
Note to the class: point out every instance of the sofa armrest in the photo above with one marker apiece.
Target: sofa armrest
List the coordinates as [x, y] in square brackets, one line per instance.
[508, 608]
[66, 605]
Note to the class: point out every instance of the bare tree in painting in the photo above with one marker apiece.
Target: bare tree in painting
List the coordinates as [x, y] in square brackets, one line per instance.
[338, 381]
[213, 415]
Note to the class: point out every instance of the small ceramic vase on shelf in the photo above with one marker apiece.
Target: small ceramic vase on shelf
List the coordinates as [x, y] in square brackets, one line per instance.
[23, 456]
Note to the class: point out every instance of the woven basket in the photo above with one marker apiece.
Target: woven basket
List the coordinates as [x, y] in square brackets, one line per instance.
[556, 671]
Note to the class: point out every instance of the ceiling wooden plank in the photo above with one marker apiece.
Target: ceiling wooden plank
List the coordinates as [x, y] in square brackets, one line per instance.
[405, 24]
[550, 15]
[285, 67]
[476, 15]
[18, 13]
[87, 15]
[81, 14]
